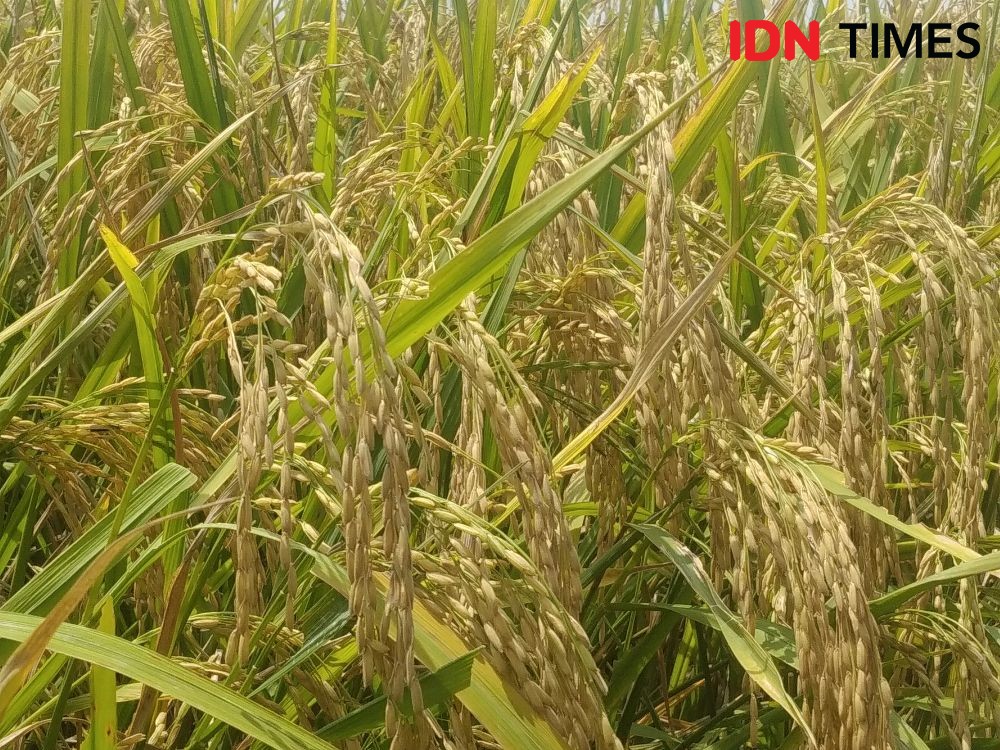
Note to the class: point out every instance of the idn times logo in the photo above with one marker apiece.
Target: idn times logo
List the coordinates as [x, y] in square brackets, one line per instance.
[880, 40]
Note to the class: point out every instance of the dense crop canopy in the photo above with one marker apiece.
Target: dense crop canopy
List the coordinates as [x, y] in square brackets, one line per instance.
[513, 373]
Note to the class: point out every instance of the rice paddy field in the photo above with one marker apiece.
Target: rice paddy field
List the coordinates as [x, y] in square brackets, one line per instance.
[517, 374]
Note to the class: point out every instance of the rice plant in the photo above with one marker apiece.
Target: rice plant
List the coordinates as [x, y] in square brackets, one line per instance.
[519, 374]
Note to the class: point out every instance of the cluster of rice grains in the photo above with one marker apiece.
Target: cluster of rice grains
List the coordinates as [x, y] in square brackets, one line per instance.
[841, 327]
[532, 637]
[808, 558]
[368, 402]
